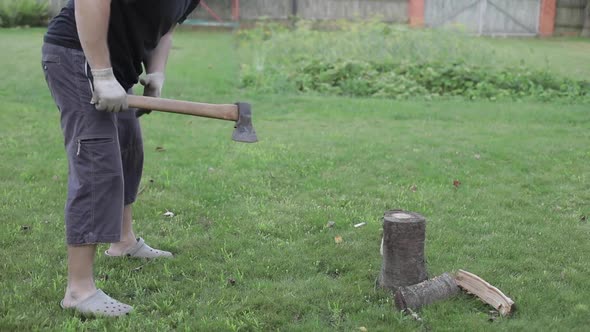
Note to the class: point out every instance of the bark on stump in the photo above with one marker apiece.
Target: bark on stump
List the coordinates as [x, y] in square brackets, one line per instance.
[402, 249]
[427, 292]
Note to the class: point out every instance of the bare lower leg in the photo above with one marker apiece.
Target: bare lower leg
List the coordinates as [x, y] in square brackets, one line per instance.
[80, 274]
[127, 236]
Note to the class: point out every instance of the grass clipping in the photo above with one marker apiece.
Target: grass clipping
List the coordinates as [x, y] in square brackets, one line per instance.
[374, 59]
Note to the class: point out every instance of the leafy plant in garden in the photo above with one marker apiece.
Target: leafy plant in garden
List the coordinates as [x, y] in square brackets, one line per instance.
[23, 13]
[379, 60]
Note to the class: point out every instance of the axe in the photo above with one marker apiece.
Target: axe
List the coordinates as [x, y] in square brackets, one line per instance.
[241, 113]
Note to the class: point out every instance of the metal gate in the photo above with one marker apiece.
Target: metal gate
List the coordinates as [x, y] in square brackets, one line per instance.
[486, 17]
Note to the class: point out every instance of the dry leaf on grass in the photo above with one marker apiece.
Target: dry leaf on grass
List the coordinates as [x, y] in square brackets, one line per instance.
[338, 239]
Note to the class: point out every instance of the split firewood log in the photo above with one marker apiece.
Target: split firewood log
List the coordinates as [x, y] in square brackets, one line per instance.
[486, 292]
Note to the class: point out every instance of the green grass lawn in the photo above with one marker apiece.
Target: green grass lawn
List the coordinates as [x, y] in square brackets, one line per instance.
[252, 250]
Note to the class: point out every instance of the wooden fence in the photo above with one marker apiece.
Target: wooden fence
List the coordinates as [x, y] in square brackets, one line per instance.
[486, 17]
[388, 10]
[569, 19]
[391, 11]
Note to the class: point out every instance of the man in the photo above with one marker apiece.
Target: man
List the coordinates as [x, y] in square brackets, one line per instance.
[93, 54]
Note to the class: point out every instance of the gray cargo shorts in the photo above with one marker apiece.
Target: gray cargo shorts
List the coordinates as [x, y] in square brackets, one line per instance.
[104, 150]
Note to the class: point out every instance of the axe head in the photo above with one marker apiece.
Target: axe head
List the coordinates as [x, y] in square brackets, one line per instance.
[244, 131]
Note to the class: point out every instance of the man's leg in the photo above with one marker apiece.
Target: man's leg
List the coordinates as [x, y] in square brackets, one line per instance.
[80, 274]
[128, 238]
[131, 146]
[94, 206]
[81, 293]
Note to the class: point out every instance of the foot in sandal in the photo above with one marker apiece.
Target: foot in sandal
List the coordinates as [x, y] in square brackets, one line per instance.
[99, 304]
[139, 250]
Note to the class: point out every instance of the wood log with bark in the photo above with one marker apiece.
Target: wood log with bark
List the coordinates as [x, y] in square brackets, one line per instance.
[427, 292]
[446, 286]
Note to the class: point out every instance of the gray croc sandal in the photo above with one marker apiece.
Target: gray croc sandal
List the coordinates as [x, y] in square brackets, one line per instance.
[142, 250]
[100, 304]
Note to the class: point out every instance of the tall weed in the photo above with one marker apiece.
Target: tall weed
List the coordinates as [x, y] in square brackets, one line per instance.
[391, 61]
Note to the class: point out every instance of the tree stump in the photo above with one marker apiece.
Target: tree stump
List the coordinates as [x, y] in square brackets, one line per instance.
[402, 249]
[427, 292]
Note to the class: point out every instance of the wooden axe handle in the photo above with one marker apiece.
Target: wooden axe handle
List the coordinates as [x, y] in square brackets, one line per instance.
[216, 111]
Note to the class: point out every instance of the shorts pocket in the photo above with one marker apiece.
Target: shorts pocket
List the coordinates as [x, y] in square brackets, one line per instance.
[99, 154]
[48, 62]
[50, 58]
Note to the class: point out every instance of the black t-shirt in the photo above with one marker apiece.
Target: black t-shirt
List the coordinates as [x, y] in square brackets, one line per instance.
[135, 28]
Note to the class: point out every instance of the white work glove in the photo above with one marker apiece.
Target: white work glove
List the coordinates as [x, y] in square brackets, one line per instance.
[152, 87]
[108, 94]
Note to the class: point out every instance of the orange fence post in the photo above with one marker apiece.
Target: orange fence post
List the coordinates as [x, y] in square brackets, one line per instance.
[547, 18]
[416, 13]
[235, 10]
